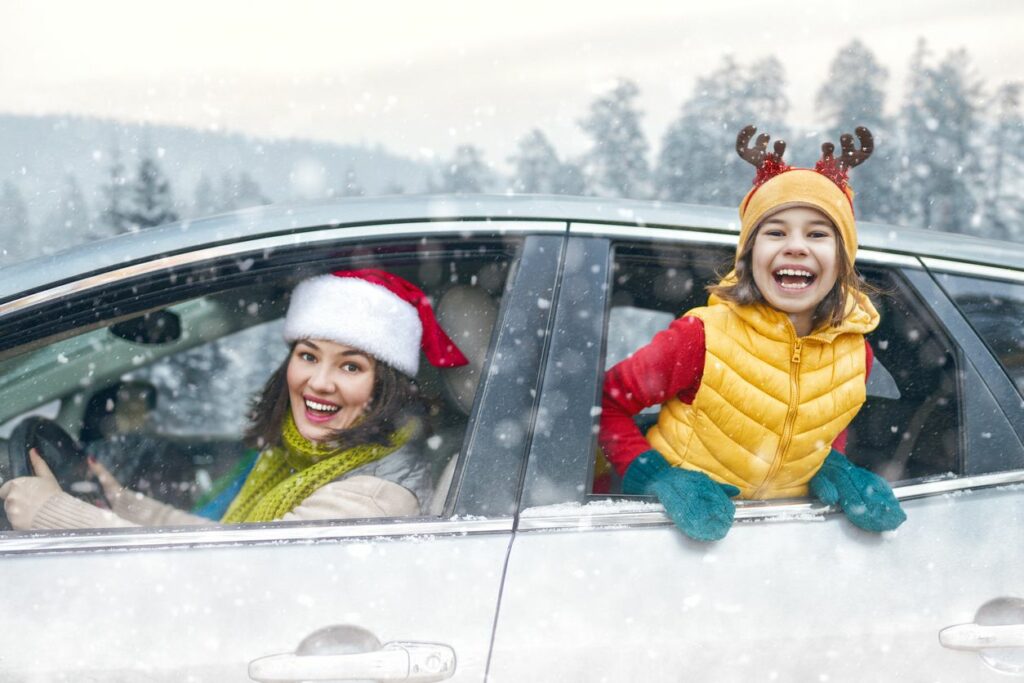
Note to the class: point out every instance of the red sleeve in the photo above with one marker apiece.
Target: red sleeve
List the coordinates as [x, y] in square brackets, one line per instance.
[869, 358]
[670, 365]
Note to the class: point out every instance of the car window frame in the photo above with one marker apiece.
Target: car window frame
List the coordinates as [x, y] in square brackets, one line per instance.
[557, 479]
[485, 488]
[941, 267]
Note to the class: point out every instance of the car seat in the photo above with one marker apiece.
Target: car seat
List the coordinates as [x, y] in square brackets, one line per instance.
[467, 313]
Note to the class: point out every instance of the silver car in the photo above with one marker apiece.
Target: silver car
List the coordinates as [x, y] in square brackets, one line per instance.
[528, 566]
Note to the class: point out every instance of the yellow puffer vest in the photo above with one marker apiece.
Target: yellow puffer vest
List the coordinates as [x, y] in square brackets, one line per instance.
[769, 404]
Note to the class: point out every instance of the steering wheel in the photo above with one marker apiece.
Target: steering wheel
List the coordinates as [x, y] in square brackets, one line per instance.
[65, 458]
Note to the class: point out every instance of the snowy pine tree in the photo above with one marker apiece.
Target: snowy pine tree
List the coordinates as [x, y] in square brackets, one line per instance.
[939, 125]
[698, 161]
[952, 103]
[152, 203]
[764, 98]
[115, 216]
[854, 95]
[248, 192]
[616, 164]
[70, 218]
[539, 171]
[205, 201]
[467, 172]
[17, 241]
[1004, 164]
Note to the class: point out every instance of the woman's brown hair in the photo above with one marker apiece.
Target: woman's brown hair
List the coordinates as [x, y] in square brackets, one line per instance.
[395, 395]
[832, 308]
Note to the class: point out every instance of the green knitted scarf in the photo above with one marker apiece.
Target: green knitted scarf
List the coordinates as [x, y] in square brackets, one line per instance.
[284, 476]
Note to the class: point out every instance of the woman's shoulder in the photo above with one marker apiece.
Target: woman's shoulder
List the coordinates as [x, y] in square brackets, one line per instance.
[405, 466]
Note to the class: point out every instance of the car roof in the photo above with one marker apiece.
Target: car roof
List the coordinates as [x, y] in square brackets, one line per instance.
[265, 221]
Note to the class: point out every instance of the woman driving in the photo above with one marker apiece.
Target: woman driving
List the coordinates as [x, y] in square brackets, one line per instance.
[334, 424]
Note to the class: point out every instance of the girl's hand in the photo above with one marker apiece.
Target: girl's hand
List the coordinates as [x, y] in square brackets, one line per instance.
[25, 496]
[866, 498]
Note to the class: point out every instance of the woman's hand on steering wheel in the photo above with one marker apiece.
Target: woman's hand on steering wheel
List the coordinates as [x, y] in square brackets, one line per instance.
[112, 488]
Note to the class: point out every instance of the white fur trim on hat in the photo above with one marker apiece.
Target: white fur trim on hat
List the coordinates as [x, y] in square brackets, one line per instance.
[359, 314]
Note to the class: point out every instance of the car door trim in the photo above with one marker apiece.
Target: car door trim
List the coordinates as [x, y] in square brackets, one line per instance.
[294, 239]
[601, 512]
[960, 268]
[703, 236]
[277, 534]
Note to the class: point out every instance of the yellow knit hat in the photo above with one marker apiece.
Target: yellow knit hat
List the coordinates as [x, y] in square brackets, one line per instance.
[778, 186]
[800, 187]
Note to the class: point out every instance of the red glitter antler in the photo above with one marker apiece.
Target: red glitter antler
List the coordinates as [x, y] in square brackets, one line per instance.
[768, 164]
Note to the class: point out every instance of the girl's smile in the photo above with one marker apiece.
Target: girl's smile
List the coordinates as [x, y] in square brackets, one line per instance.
[794, 263]
[329, 386]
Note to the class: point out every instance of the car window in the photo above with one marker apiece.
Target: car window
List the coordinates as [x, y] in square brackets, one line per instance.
[909, 426]
[167, 416]
[995, 308]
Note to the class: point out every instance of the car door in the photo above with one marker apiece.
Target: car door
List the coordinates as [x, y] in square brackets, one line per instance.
[388, 599]
[604, 588]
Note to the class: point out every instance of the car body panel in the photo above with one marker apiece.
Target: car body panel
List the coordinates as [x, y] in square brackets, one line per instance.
[203, 613]
[525, 574]
[792, 597]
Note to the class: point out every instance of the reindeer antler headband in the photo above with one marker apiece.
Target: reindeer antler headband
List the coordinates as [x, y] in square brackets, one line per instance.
[770, 164]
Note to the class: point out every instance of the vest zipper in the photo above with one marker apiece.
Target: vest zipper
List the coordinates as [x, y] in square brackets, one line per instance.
[787, 429]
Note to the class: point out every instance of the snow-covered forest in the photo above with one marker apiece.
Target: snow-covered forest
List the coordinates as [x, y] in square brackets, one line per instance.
[949, 156]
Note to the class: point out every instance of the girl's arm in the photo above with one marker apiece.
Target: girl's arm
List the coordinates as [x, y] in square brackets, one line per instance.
[670, 366]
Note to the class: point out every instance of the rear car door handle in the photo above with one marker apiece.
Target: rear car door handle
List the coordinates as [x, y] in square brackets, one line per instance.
[396, 661]
[981, 637]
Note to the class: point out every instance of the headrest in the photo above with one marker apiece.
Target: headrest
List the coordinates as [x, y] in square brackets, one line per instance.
[468, 314]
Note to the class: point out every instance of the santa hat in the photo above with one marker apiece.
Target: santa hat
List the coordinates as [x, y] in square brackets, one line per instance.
[825, 187]
[373, 311]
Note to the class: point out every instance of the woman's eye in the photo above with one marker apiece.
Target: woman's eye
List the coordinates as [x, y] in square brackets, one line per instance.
[350, 367]
[307, 356]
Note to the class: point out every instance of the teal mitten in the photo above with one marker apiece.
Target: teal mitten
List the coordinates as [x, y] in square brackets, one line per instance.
[698, 505]
[865, 497]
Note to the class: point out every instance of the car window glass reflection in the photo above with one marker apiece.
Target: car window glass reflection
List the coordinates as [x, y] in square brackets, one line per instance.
[996, 310]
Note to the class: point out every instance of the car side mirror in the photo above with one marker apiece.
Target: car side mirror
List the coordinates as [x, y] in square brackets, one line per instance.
[156, 327]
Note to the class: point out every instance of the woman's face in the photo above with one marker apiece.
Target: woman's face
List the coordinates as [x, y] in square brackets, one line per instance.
[329, 386]
[794, 262]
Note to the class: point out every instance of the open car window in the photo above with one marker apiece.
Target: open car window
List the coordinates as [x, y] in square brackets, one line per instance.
[183, 398]
[910, 426]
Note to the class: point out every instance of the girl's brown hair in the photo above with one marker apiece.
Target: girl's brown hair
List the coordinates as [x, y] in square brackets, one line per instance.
[394, 396]
[831, 309]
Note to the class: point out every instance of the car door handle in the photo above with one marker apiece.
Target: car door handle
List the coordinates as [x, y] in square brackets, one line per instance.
[396, 661]
[981, 637]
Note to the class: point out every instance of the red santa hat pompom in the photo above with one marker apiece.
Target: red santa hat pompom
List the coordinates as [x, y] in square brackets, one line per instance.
[373, 311]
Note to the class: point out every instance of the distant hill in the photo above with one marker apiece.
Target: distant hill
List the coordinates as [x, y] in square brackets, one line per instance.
[36, 152]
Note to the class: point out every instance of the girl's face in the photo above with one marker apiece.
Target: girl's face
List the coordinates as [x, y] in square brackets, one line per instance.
[329, 386]
[795, 263]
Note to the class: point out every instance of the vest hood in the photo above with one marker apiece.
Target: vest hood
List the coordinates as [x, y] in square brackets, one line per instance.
[861, 318]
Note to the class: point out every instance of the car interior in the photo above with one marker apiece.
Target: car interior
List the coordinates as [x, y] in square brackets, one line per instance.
[194, 364]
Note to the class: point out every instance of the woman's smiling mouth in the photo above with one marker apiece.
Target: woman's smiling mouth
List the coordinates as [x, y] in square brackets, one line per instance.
[318, 410]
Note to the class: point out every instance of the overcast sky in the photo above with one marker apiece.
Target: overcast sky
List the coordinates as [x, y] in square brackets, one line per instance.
[421, 77]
